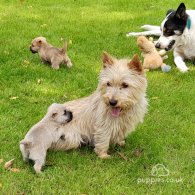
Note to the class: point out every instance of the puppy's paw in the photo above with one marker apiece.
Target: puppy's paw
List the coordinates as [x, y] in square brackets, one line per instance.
[55, 67]
[37, 168]
[25, 159]
[69, 65]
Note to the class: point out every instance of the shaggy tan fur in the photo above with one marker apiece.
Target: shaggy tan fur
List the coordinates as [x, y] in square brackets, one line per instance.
[112, 111]
[45, 133]
[152, 58]
[50, 54]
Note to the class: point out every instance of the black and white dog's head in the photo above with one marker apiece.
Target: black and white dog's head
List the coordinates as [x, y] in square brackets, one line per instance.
[172, 28]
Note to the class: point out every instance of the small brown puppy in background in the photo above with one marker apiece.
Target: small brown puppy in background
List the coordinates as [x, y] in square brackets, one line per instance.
[44, 135]
[49, 54]
[153, 59]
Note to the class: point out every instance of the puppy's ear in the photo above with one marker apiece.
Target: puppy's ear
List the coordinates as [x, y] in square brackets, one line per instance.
[136, 64]
[54, 115]
[169, 11]
[39, 42]
[107, 60]
[181, 12]
[26, 143]
[139, 40]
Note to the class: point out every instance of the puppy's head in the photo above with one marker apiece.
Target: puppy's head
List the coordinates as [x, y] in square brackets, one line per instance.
[172, 28]
[59, 114]
[145, 45]
[37, 43]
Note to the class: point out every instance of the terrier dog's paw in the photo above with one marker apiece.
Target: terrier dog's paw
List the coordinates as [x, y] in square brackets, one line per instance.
[121, 143]
[104, 156]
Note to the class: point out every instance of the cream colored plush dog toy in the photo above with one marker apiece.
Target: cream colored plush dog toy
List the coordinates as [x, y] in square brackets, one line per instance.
[152, 58]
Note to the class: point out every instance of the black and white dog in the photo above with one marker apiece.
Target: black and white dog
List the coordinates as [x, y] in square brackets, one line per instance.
[177, 32]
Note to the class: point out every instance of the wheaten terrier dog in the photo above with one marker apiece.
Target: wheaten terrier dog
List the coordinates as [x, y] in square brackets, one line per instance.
[49, 54]
[112, 111]
[45, 133]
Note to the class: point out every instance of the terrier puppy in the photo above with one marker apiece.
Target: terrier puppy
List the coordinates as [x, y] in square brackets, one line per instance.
[112, 111]
[49, 54]
[152, 58]
[45, 133]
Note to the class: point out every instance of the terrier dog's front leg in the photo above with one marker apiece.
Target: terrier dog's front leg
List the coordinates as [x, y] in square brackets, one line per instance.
[102, 141]
[121, 143]
[102, 153]
[120, 139]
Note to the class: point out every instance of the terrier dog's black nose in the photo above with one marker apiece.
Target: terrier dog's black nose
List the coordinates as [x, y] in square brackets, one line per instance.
[113, 102]
[157, 45]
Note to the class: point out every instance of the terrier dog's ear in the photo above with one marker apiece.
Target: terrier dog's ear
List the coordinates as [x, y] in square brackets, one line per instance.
[136, 64]
[107, 60]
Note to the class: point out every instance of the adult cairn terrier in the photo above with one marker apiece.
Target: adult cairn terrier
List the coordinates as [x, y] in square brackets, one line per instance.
[112, 111]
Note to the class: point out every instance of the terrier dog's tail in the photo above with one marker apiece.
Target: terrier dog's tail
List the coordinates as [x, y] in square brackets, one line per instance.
[64, 49]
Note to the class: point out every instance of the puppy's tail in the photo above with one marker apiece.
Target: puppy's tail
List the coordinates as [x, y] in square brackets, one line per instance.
[64, 49]
[26, 143]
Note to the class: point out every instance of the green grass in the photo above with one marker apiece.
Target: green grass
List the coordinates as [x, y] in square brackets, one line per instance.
[167, 135]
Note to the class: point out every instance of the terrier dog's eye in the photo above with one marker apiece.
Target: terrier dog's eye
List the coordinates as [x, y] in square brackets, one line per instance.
[108, 84]
[124, 85]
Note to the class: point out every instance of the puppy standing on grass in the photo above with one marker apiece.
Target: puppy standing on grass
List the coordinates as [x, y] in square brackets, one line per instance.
[112, 111]
[49, 54]
[45, 133]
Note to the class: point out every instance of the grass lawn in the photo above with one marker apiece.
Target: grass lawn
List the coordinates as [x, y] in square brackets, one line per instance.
[28, 87]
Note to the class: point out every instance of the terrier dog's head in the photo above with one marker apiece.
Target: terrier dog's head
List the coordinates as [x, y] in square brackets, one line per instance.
[122, 83]
[37, 43]
[145, 45]
[59, 114]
